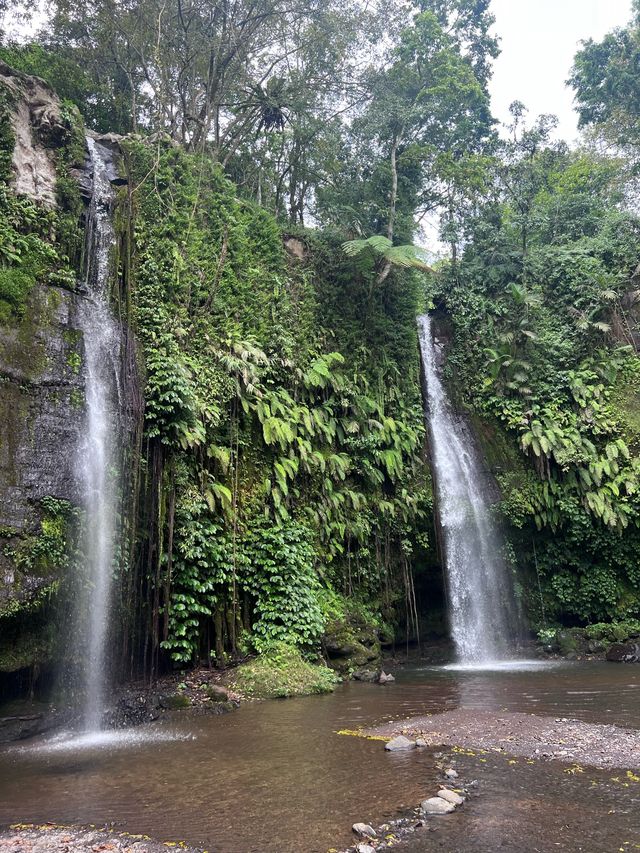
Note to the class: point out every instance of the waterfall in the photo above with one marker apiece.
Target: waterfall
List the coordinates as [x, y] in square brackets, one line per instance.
[481, 602]
[97, 456]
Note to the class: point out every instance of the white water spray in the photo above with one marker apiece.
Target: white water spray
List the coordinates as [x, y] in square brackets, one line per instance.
[480, 597]
[97, 461]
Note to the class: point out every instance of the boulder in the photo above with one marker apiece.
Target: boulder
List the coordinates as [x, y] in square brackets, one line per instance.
[296, 248]
[385, 678]
[351, 644]
[216, 693]
[399, 743]
[369, 675]
[624, 653]
[450, 797]
[436, 805]
[364, 830]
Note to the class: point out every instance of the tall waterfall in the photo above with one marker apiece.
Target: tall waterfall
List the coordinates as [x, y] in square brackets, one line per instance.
[479, 589]
[97, 459]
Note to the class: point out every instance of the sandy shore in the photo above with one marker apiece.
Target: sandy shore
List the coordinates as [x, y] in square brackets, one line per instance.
[528, 735]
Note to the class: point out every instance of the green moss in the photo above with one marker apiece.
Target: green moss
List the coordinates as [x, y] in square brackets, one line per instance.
[176, 702]
[30, 606]
[26, 650]
[282, 672]
[7, 136]
[76, 399]
[74, 360]
[27, 630]
[46, 551]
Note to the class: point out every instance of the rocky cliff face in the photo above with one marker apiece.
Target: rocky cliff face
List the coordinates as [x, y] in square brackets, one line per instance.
[35, 115]
[41, 356]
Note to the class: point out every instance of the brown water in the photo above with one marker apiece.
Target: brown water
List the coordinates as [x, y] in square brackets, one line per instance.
[275, 776]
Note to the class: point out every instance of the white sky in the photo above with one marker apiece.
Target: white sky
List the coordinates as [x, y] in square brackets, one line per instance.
[538, 40]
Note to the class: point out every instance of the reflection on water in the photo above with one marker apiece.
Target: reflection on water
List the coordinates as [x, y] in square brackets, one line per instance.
[275, 777]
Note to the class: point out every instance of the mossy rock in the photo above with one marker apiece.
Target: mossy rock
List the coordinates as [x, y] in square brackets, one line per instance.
[282, 672]
[571, 641]
[350, 645]
[216, 693]
[175, 702]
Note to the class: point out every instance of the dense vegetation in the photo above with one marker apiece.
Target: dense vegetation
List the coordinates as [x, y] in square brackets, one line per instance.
[281, 451]
[281, 484]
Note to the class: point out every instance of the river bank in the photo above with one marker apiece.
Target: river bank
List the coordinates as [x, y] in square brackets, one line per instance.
[524, 735]
[49, 838]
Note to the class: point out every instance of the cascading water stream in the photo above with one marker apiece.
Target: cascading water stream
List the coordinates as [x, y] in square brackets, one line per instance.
[481, 605]
[97, 461]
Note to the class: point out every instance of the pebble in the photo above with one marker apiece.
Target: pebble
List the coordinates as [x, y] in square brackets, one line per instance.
[436, 805]
[363, 829]
[400, 742]
[365, 848]
[450, 797]
[450, 773]
[420, 741]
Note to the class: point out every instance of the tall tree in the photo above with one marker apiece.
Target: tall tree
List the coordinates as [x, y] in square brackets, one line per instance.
[426, 102]
[607, 85]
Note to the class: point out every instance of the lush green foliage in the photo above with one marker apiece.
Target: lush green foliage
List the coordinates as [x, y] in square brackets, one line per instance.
[288, 460]
[281, 471]
[281, 672]
[544, 345]
[605, 79]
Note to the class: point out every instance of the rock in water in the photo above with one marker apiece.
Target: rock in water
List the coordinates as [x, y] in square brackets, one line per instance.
[436, 805]
[420, 741]
[450, 797]
[624, 653]
[369, 675]
[385, 678]
[398, 743]
[364, 830]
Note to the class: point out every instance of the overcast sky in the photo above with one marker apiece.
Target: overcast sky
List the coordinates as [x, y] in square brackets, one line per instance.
[539, 39]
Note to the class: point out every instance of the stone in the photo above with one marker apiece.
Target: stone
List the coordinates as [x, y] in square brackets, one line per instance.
[450, 773]
[369, 675]
[624, 653]
[364, 830]
[216, 693]
[385, 678]
[295, 247]
[450, 797]
[420, 741]
[175, 701]
[399, 743]
[350, 645]
[436, 805]
[365, 848]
